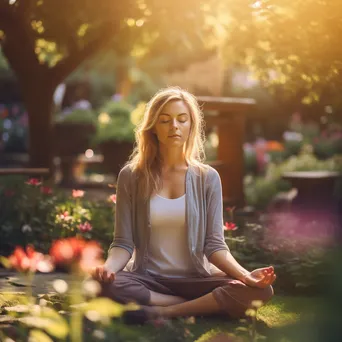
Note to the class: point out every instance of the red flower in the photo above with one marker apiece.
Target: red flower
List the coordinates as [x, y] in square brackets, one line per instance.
[46, 190]
[112, 198]
[230, 209]
[34, 182]
[85, 227]
[75, 251]
[31, 261]
[230, 226]
[77, 193]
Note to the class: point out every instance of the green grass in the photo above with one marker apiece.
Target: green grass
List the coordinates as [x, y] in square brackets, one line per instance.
[279, 313]
[280, 320]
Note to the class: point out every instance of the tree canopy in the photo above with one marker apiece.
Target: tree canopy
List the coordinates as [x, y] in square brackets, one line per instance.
[44, 41]
[58, 35]
[294, 43]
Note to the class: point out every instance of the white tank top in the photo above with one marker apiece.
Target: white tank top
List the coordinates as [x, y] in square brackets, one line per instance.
[168, 249]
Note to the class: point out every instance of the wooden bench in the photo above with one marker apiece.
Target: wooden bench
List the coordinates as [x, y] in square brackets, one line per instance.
[25, 171]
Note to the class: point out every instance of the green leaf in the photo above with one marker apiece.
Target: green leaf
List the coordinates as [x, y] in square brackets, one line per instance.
[241, 329]
[17, 308]
[39, 336]
[49, 320]
[5, 262]
[303, 284]
[6, 319]
[104, 307]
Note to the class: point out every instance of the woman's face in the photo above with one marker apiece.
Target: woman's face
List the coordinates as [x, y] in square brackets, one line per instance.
[173, 124]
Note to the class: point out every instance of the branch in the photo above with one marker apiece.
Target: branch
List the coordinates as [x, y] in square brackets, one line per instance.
[70, 63]
[18, 44]
[24, 7]
[7, 15]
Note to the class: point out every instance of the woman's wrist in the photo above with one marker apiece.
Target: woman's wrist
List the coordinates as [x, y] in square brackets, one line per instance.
[243, 276]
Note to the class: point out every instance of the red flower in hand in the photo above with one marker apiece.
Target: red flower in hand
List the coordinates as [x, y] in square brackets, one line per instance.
[230, 226]
[30, 261]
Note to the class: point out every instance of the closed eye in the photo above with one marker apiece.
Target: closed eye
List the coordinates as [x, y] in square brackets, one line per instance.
[167, 121]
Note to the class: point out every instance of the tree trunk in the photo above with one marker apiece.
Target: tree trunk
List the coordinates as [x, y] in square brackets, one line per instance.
[38, 100]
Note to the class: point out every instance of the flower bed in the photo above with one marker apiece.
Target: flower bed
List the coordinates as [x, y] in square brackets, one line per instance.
[33, 212]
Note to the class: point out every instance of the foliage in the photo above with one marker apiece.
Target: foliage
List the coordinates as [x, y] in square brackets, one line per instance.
[37, 214]
[273, 38]
[326, 139]
[77, 116]
[65, 33]
[54, 38]
[300, 265]
[261, 190]
[114, 122]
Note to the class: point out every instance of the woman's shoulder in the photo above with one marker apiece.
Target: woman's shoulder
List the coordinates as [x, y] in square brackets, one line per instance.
[125, 173]
[205, 170]
[127, 169]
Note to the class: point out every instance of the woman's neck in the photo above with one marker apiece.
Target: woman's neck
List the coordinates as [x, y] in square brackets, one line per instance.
[173, 159]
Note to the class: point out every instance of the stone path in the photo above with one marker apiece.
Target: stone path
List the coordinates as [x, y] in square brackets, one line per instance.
[11, 281]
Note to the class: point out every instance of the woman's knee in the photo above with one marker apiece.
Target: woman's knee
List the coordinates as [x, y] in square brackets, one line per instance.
[125, 289]
[265, 294]
[235, 298]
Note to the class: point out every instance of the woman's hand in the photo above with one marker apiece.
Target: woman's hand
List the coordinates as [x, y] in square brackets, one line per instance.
[261, 277]
[103, 274]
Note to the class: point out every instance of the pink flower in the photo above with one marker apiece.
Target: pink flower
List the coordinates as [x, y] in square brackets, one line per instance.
[65, 216]
[34, 182]
[112, 198]
[77, 193]
[85, 227]
[31, 261]
[230, 226]
[46, 190]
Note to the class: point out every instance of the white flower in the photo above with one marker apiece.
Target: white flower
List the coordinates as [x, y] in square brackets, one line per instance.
[26, 228]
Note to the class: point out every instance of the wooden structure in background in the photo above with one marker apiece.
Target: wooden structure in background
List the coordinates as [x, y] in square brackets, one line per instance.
[229, 116]
[31, 172]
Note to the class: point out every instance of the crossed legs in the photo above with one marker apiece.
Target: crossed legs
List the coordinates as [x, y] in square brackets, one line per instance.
[186, 297]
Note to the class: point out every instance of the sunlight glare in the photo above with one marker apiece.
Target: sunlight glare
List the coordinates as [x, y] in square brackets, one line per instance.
[89, 153]
[257, 4]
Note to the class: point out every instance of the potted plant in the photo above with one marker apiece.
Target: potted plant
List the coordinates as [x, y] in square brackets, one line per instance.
[73, 132]
[115, 134]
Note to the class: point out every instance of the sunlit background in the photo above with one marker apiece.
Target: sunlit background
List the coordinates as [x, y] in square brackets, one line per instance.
[75, 77]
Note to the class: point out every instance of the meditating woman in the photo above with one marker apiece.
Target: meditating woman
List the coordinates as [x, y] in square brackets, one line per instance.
[169, 253]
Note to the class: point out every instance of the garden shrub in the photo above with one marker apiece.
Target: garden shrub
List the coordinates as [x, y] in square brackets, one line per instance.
[32, 212]
[300, 265]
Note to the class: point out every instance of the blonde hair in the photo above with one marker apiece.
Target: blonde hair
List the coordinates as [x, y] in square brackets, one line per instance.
[145, 159]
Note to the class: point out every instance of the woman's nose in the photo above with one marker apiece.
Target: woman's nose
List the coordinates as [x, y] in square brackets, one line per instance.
[174, 123]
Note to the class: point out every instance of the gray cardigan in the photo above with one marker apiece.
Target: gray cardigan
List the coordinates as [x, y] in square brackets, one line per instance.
[203, 214]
